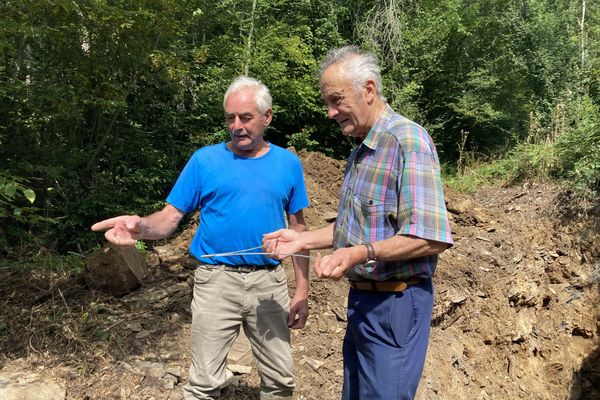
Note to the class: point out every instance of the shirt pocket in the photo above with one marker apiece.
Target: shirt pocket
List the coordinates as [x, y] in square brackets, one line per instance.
[375, 219]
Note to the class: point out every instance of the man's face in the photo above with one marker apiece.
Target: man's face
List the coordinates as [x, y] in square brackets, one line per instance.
[346, 106]
[244, 123]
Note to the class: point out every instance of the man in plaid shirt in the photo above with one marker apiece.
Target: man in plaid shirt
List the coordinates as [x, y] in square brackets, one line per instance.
[392, 224]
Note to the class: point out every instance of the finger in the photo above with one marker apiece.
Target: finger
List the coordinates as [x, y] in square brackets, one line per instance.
[272, 235]
[122, 235]
[279, 250]
[337, 273]
[301, 320]
[297, 317]
[105, 224]
[292, 318]
[326, 267]
[271, 245]
[112, 236]
[274, 252]
[298, 323]
[317, 265]
[322, 267]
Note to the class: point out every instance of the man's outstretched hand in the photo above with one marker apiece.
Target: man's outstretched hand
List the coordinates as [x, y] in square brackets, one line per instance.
[282, 243]
[124, 230]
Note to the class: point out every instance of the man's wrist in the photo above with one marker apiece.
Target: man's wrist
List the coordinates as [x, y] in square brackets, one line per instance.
[371, 258]
[301, 293]
[143, 226]
[364, 253]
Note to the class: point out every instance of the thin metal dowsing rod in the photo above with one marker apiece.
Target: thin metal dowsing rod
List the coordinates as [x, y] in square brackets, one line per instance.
[245, 252]
[251, 254]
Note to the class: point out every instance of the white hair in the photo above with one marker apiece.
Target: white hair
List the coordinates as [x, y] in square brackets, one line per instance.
[262, 96]
[358, 65]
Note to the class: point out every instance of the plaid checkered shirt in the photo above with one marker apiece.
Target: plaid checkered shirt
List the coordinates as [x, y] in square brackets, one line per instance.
[392, 186]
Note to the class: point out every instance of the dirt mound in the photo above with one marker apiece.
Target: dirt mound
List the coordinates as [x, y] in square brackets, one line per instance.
[516, 310]
[515, 315]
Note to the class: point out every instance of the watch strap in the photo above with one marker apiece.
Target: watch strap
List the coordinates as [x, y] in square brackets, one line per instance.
[370, 252]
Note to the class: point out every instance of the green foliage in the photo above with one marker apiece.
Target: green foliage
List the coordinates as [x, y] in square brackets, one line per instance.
[573, 157]
[475, 66]
[141, 247]
[479, 174]
[48, 261]
[532, 161]
[523, 162]
[11, 189]
[578, 149]
[18, 214]
[302, 140]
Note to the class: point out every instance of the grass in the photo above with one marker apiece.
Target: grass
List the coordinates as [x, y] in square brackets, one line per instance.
[524, 162]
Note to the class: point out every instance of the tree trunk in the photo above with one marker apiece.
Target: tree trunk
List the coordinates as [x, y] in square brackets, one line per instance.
[582, 33]
[250, 36]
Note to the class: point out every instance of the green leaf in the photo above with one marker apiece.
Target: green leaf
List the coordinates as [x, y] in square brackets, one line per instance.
[10, 189]
[29, 195]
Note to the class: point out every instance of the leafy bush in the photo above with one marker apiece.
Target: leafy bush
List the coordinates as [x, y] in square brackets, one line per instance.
[532, 161]
[578, 149]
[11, 189]
[302, 140]
[16, 208]
[478, 174]
[573, 157]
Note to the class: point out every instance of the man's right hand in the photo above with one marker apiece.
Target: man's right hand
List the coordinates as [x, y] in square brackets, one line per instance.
[124, 230]
[282, 243]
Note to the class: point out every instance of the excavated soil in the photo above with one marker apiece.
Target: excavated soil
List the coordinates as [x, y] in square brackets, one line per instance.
[516, 312]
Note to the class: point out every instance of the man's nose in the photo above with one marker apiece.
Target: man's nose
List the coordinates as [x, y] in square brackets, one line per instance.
[236, 124]
[332, 112]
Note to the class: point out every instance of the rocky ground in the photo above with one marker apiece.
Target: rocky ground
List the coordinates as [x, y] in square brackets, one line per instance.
[516, 314]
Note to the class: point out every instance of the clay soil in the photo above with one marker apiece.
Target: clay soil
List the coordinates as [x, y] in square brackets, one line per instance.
[516, 312]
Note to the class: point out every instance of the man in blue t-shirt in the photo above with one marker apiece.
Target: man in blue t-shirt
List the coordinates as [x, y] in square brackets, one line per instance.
[243, 188]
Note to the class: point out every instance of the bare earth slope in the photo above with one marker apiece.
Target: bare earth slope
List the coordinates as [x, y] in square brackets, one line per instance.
[516, 312]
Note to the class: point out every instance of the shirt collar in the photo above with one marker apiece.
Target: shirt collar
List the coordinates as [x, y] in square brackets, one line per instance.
[378, 127]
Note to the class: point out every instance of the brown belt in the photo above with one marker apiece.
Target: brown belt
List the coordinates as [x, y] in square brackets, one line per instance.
[383, 286]
[239, 268]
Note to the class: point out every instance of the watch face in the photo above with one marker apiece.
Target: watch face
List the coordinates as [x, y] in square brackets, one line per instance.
[370, 263]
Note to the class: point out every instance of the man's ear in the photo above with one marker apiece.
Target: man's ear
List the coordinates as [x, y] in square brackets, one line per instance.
[370, 90]
[268, 116]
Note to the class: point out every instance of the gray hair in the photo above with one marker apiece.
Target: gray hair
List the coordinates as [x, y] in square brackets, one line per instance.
[262, 96]
[358, 65]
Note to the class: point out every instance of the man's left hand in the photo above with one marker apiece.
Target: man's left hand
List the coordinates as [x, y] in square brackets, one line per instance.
[298, 313]
[336, 265]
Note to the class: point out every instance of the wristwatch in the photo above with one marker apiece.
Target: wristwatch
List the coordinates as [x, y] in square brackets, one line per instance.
[371, 259]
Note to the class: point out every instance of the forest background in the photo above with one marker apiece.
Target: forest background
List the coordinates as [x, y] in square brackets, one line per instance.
[103, 101]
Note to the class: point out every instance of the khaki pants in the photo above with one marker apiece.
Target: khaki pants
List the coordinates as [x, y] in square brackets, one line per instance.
[223, 301]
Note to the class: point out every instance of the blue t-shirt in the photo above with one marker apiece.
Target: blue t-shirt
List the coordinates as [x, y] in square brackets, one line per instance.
[239, 198]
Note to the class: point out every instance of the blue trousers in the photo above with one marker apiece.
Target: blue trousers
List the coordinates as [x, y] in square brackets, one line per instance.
[386, 343]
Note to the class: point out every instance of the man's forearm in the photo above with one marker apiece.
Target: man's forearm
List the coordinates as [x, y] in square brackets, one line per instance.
[160, 224]
[402, 247]
[321, 238]
[297, 223]
[301, 274]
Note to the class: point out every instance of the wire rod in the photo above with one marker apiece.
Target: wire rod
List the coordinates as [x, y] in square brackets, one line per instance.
[242, 253]
[247, 252]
